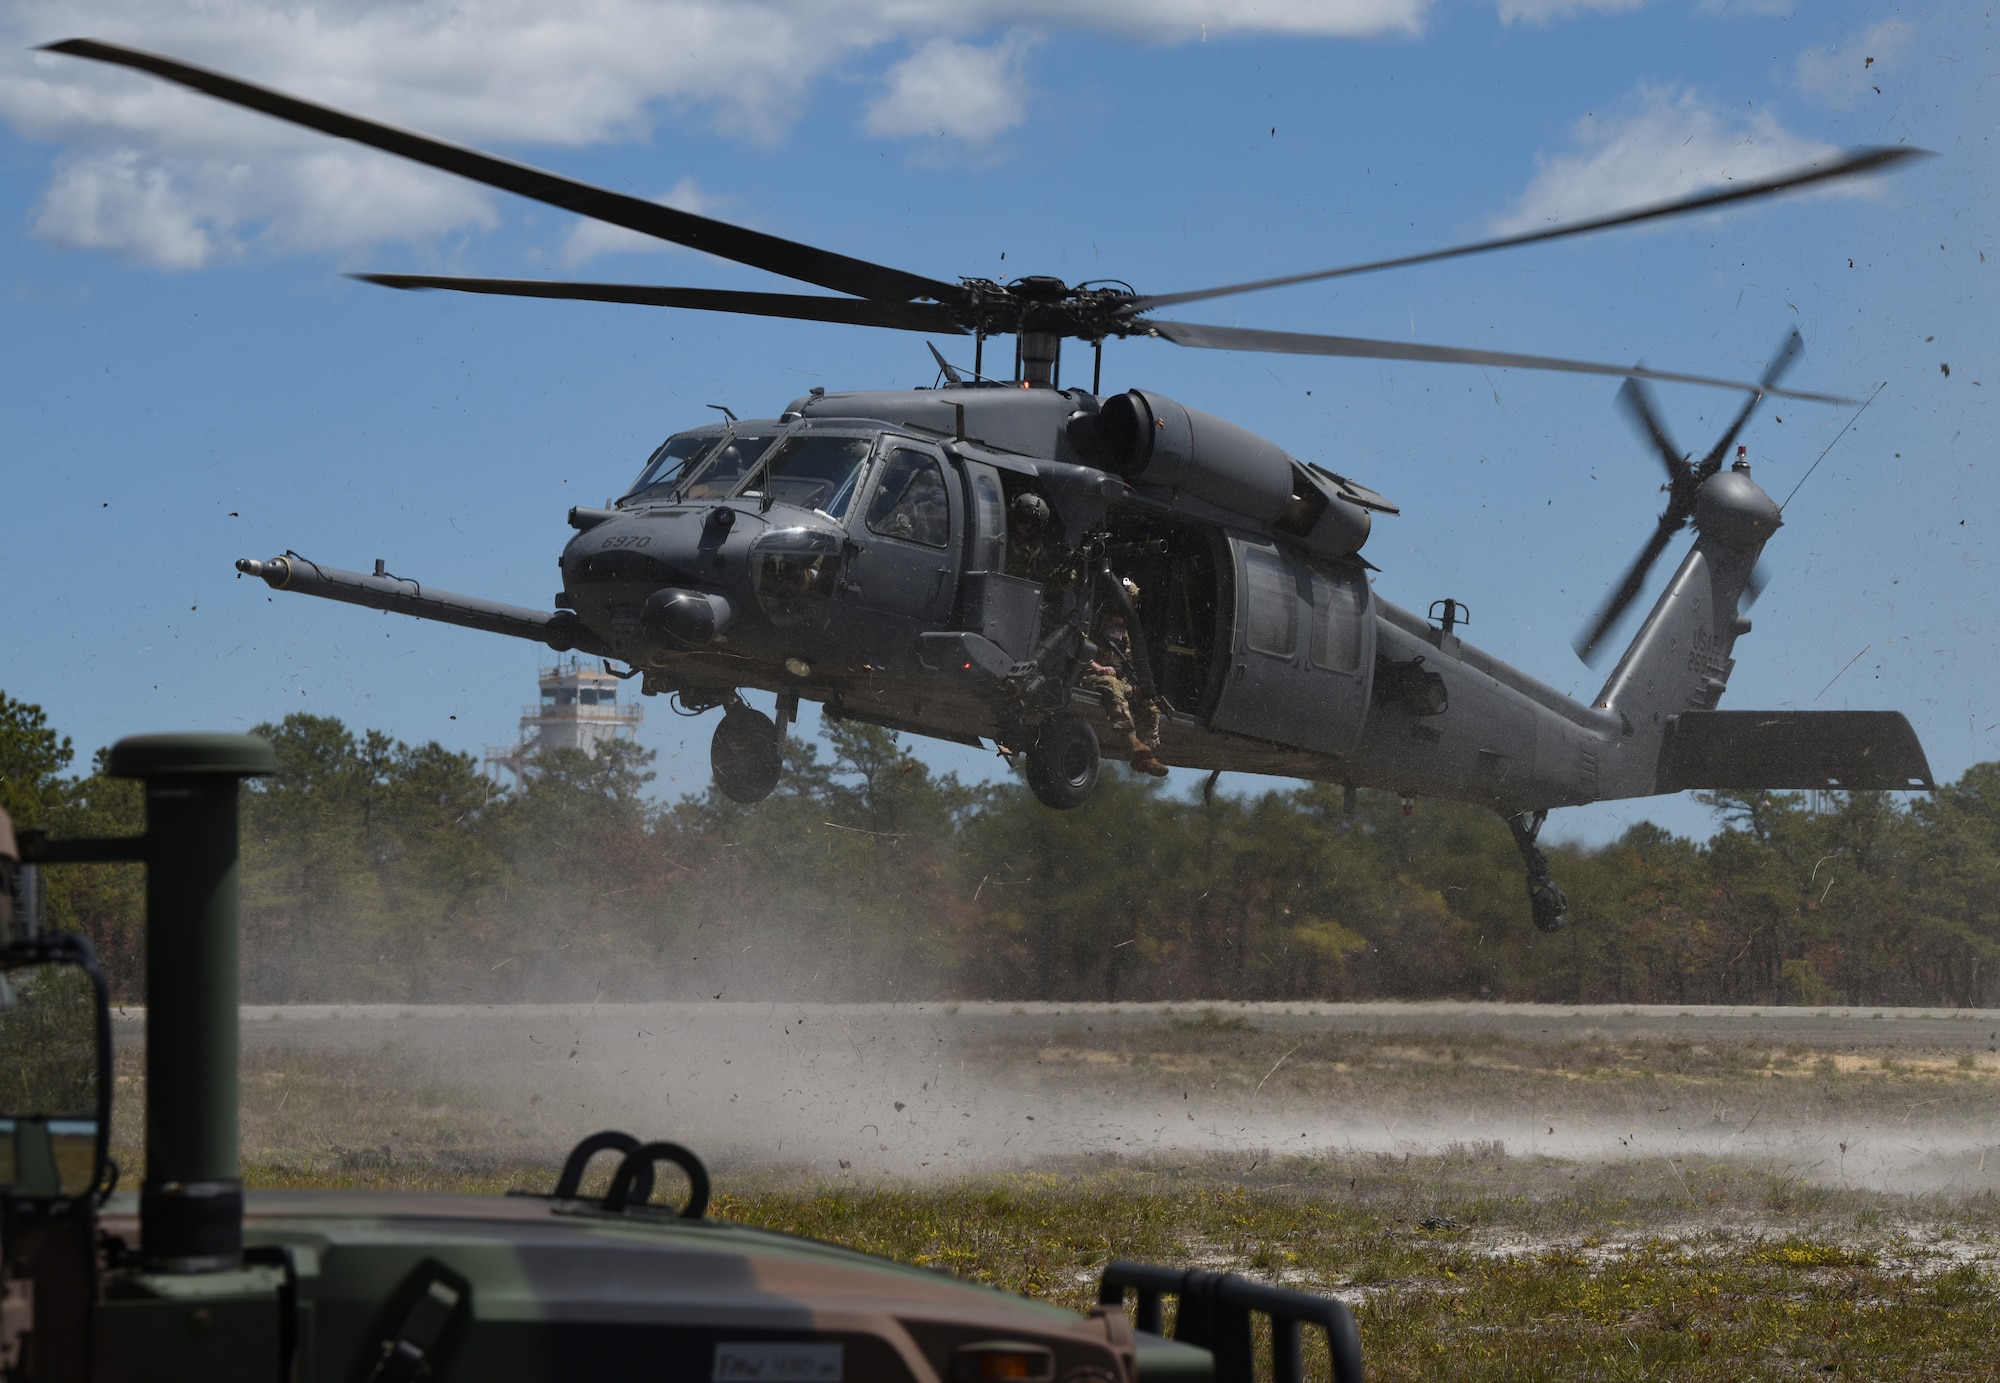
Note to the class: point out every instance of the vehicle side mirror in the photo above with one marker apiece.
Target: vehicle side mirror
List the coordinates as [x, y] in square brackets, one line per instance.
[55, 1051]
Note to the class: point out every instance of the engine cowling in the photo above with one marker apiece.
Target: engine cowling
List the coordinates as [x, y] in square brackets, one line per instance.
[1152, 441]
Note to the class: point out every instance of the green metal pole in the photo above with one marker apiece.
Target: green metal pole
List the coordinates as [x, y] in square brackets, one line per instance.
[191, 1206]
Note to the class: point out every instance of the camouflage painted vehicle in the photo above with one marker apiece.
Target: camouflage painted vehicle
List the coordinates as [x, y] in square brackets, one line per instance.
[189, 1278]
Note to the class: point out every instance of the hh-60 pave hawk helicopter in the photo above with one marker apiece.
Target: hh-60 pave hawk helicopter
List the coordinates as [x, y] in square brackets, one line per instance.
[855, 551]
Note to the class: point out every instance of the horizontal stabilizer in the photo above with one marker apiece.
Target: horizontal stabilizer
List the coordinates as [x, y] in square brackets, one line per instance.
[1847, 751]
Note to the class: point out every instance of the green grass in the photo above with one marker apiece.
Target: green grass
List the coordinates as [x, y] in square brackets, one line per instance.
[1610, 1277]
[1465, 1265]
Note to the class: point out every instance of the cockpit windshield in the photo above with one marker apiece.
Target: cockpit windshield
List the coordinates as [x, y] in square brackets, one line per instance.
[816, 470]
[676, 456]
[724, 468]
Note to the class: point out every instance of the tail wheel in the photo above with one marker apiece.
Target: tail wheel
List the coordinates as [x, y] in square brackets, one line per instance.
[1548, 906]
[1063, 761]
[746, 755]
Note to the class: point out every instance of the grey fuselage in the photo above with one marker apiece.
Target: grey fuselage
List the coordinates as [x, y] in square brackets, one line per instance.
[1267, 639]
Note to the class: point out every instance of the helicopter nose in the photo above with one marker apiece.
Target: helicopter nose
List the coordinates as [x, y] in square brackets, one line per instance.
[646, 549]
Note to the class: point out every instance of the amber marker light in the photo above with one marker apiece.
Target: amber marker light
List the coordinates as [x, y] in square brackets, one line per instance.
[991, 1360]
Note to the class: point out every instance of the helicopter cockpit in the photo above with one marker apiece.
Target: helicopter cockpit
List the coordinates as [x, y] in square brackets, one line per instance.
[703, 463]
[668, 462]
[813, 470]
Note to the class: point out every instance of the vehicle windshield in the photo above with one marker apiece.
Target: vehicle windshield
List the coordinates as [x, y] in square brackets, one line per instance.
[816, 471]
[722, 469]
[665, 467]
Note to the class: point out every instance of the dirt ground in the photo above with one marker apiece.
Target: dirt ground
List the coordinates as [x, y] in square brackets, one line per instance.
[1500, 1192]
[1894, 1099]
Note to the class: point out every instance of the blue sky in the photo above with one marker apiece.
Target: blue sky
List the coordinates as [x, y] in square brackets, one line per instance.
[187, 379]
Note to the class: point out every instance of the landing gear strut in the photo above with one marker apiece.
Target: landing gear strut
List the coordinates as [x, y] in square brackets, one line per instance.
[747, 754]
[1548, 905]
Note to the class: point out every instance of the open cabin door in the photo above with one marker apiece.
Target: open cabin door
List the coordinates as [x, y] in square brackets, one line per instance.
[1003, 609]
[1302, 649]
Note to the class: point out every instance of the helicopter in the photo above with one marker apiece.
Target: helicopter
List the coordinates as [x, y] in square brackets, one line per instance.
[854, 550]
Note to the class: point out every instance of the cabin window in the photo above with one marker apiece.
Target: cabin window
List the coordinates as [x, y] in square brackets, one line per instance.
[992, 522]
[910, 500]
[1271, 604]
[1337, 606]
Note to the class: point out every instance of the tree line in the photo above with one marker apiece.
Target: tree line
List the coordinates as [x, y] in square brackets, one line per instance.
[375, 870]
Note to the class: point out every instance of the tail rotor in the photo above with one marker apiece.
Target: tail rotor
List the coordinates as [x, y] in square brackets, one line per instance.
[1685, 478]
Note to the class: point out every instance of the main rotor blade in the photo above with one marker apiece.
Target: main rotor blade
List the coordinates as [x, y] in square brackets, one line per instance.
[719, 238]
[1637, 401]
[1363, 348]
[1854, 161]
[1613, 609]
[860, 312]
[1773, 372]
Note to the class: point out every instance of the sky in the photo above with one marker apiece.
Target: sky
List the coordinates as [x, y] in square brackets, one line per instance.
[186, 377]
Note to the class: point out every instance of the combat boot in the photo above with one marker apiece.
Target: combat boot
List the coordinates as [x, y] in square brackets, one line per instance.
[1144, 760]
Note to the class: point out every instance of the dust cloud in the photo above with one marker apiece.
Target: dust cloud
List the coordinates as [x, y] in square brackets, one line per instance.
[927, 1090]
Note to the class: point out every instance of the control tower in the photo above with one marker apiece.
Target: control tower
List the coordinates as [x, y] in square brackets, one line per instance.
[579, 709]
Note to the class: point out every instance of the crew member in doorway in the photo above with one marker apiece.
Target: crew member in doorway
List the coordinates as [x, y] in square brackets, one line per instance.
[1115, 683]
[1032, 552]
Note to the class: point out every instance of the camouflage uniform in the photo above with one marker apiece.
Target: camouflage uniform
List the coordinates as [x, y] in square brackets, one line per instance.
[1032, 552]
[1035, 558]
[1137, 724]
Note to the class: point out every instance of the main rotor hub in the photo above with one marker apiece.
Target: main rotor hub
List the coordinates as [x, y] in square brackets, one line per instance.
[1042, 303]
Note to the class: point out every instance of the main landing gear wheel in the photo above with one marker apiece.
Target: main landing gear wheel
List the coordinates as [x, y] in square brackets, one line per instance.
[746, 755]
[1063, 761]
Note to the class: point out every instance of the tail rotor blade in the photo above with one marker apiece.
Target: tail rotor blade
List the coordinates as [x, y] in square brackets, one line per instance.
[1760, 577]
[1782, 361]
[1773, 372]
[1588, 642]
[1637, 401]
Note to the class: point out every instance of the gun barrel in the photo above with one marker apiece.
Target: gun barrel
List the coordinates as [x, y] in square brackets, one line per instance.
[561, 630]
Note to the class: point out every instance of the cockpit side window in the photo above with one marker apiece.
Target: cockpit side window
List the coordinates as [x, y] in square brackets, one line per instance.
[723, 470]
[910, 501]
[675, 457]
[816, 470]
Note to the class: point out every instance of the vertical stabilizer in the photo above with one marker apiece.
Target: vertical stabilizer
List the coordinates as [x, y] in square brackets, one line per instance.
[1681, 658]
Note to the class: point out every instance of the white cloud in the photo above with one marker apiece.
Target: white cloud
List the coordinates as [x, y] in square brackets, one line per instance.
[591, 239]
[1545, 11]
[1667, 144]
[1173, 20]
[159, 174]
[959, 90]
[1838, 76]
[184, 213]
[112, 201]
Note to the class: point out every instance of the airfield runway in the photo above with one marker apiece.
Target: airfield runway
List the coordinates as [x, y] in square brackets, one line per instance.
[934, 1088]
